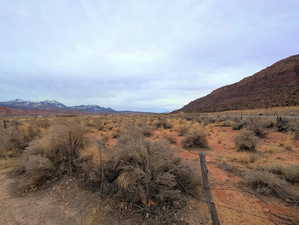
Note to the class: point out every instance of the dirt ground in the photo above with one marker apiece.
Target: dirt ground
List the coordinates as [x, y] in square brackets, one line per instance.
[66, 203]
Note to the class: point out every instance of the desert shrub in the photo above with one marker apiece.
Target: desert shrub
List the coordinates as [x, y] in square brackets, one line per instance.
[229, 168]
[238, 125]
[289, 173]
[296, 134]
[99, 124]
[56, 154]
[267, 123]
[163, 123]
[183, 129]
[294, 128]
[195, 137]
[257, 128]
[146, 177]
[282, 125]
[116, 133]
[245, 158]
[246, 141]
[15, 139]
[33, 172]
[43, 123]
[226, 123]
[269, 184]
[170, 138]
[147, 131]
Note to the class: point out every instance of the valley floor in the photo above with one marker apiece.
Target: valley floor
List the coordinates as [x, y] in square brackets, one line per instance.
[65, 203]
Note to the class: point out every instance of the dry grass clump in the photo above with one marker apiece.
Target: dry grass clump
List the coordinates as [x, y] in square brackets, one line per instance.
[267, 183]
[246, 141]
[222, 164]
[238, 125]
[257, 128]
[145, 177]
[170, 138]
[163, 123]
[195, 137]
[244, 158]
[282, 125]
[54, 155]
[289, 173]
[43, 123]
[15, 139]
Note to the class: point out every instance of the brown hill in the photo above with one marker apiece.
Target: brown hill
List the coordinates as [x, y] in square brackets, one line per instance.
[277, 85]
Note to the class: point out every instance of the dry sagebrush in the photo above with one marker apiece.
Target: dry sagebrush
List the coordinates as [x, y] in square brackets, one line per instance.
[54, 155]
[145, 176]
[246, 141]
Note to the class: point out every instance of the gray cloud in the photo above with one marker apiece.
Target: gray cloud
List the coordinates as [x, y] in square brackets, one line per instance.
[138, 55]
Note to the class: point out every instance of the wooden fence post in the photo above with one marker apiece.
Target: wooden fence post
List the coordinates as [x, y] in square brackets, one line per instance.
[4, 124]
[207, 191]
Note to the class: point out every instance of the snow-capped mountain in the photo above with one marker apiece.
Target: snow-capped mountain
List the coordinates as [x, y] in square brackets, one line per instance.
[23, 104]
[92, 109]
[54, 105]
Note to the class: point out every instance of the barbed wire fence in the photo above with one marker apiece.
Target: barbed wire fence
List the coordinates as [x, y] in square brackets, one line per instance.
[209, 186]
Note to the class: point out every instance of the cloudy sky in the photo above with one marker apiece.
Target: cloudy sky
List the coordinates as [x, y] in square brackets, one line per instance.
[138, 54]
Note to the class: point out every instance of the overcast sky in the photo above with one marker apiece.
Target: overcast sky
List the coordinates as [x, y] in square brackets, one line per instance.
[148, 55]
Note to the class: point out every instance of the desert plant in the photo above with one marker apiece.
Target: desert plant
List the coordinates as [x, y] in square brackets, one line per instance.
[56, 154]
[195, 137]
[170, 138]
[238, 125]
[146, 176]
[246, 141]
[282, 125]
[269, 184]
[33, 172]
[163, 123]
[257, 128]
[289, 173]
[15, 139]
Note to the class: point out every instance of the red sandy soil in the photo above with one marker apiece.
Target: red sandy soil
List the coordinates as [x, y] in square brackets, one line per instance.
[236, 206]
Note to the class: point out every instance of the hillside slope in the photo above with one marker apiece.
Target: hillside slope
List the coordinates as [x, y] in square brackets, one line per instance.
[277, 85]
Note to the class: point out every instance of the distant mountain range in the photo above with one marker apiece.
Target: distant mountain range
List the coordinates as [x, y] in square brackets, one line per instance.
[52, 105]
[277, 85]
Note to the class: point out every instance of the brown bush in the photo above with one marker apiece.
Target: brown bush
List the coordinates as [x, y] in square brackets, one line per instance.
[246, 141]
[144, 175]
[33, 172]
[54, 155]
[257, 128]
[43, 123]
[238, 125]
[195, 137]
[15, 139]
[269, 184]
[282, 125]
[163, 123]
[289, 173]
